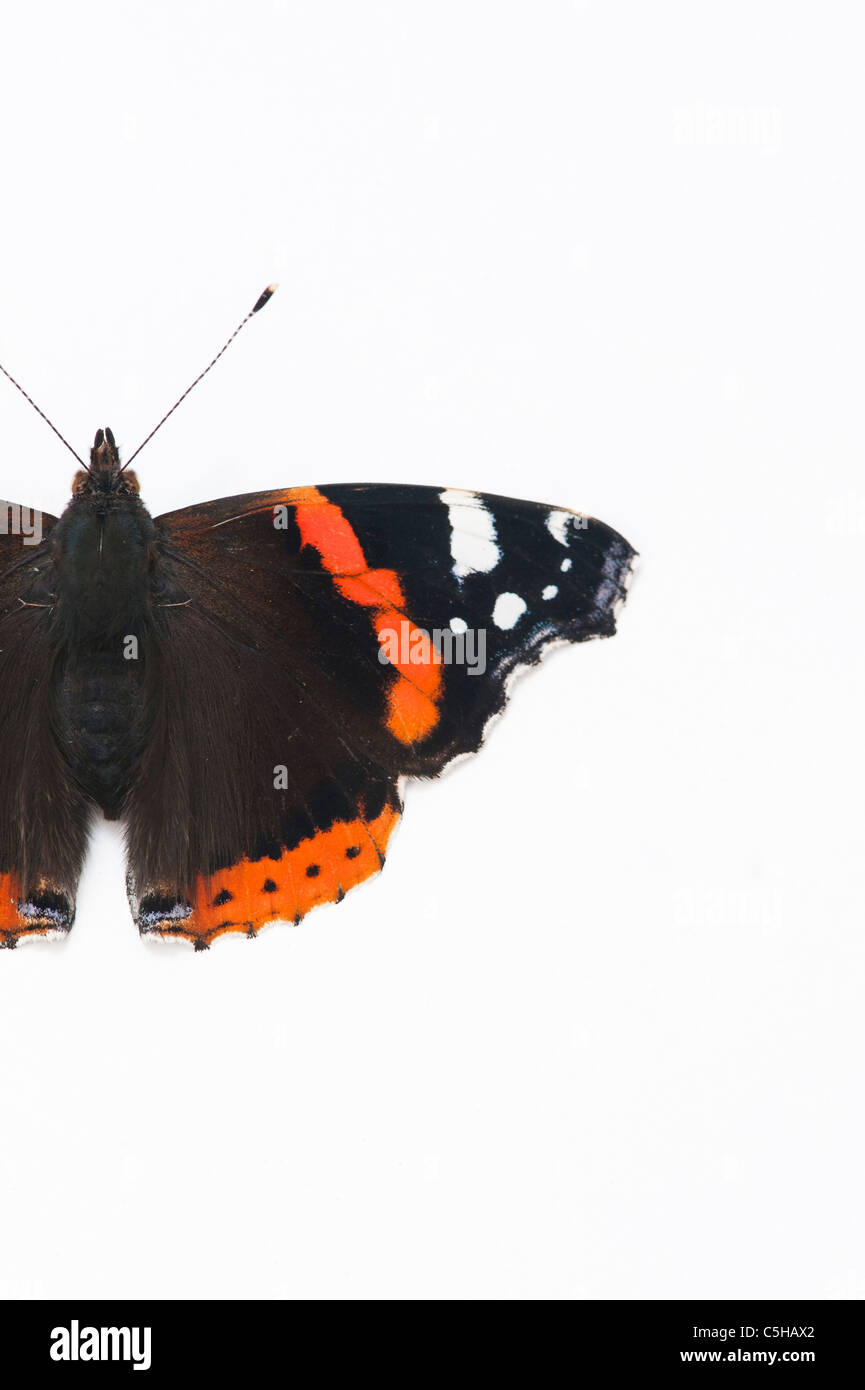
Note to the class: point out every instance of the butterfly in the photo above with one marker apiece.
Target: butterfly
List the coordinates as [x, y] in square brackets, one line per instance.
[246, 684]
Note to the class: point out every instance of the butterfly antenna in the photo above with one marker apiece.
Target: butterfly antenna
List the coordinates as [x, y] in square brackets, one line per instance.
[259, 304]
[20, 388]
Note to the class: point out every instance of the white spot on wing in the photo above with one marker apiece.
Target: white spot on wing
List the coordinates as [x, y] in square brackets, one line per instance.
[557, 525]
[508, 610]
[473, 533]
[550, 591]
[565, 566]
[458, 625]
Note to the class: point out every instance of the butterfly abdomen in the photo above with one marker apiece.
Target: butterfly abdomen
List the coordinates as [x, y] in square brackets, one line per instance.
[101, 714]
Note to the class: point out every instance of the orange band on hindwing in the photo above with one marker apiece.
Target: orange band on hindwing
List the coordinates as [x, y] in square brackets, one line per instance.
[11, 925]
[412, 698]
[251, 893]
[31, 918]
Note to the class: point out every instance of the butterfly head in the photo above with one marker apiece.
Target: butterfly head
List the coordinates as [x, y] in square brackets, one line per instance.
[105, 474]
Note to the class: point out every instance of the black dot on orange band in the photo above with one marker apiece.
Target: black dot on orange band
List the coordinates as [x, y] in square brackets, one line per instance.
[313, 871]
[352, 852]
[268, 886]
[222, 897]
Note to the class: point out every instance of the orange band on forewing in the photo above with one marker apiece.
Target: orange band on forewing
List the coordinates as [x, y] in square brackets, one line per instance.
[373, 588]
[322, 525]
[254, 892]
[413, 711]
[412, 708]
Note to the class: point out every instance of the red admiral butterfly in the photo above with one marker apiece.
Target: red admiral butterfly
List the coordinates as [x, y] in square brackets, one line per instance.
[246, 683]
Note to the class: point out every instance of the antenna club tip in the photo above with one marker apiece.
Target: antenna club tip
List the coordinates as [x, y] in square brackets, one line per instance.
[263, 298]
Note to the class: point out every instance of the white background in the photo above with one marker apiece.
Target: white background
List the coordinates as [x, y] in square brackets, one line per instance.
[596, 1032]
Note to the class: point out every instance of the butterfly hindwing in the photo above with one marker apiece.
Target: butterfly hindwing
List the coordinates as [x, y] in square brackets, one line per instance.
[267, 786]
